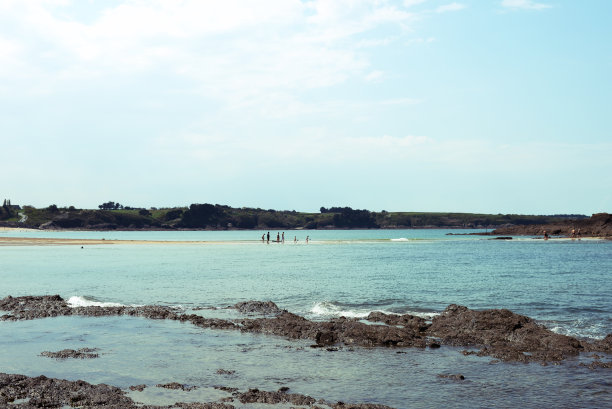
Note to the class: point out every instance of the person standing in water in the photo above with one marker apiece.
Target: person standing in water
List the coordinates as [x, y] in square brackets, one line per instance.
[268, 237]
[263, 238]
[283, 237]
[307, 238]
[277, 237]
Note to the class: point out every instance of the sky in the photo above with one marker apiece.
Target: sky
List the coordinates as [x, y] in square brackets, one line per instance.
[484, 106]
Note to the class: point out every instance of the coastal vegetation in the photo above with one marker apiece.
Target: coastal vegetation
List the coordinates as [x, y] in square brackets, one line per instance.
[112, 215]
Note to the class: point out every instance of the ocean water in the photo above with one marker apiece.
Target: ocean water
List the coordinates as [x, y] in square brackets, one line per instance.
[563, 284]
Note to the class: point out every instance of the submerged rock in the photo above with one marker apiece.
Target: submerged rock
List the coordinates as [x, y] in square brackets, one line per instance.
[342, 405]
[83, 353]
[176, 386]
[453, 377]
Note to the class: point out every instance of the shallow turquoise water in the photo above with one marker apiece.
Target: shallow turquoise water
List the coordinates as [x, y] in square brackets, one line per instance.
[564, 284]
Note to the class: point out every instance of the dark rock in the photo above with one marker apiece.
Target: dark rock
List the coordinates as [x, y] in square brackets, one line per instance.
[453, 377]
[176, 386]
[225, 372]
[33, 307]
[598, 364]
[83, 353]
[226, 389]
[342, 405]
[43, 392]
[406, 320]
[195, 405]
[603, 345]
[257, 307]
[325, 338]
[257, 396]
[502, 334]
[49, 392]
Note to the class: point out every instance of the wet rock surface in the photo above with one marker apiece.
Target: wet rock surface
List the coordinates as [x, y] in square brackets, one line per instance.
[257, 396]
[40, 392]
[83, 353]
[176, 386]
[257, 307]
[341, 330]
[499, 333]
[503, 334]
[22, 392]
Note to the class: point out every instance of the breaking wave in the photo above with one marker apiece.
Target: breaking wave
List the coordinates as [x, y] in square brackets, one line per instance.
[80, 301]
[327, 309]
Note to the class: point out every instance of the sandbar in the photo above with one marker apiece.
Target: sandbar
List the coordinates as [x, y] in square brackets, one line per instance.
[46, 241]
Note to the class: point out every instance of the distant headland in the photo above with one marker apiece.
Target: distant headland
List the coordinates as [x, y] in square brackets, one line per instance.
[114, 216]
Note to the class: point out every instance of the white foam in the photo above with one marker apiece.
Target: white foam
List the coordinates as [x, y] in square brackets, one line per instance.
[578, 328]
[400, 239]
[326, 309]
[78, 301]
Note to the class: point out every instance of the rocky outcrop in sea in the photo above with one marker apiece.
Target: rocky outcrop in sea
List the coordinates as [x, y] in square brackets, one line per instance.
[499, 333]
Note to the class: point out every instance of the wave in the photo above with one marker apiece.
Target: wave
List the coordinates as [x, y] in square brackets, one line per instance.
[400, 239]
[328, 309]
[577, 329]
[82, 301]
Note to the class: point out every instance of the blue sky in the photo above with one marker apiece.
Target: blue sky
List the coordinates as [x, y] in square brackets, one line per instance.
[498, 106]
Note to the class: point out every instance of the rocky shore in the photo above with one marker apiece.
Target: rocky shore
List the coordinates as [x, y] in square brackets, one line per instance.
[598, 225]
[23, 392]
[498, 333]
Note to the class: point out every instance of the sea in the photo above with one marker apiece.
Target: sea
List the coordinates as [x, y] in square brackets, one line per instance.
[566, 285]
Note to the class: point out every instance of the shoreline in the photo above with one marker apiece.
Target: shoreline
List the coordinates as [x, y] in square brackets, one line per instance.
[47, 241]
[500, 334]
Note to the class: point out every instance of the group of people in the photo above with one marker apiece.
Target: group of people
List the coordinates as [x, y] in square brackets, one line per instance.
[265, 238]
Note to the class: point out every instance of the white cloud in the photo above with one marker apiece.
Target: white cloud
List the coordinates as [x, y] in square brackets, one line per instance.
[450, 7]
[235, 51]
[410, 3]
[524, 4]
[374, 76]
